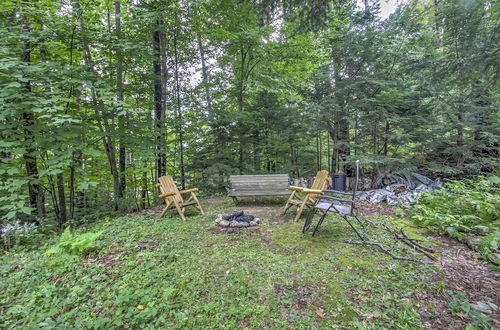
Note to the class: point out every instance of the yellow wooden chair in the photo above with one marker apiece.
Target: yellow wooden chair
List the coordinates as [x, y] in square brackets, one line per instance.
[302, 197]
[173, 197]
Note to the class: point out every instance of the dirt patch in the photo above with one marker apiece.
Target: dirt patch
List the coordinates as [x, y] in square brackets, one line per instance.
[107, 260]
[367, 208]
[150, 212]
[213, 201]
[461, 271]
[464, 271]
[151, 245]
[303, 295]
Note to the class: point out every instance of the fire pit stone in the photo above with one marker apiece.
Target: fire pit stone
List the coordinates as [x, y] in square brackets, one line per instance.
[237, 220]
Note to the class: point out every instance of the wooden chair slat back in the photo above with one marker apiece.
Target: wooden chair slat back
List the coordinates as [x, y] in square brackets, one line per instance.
[320, 182]
[167, 185]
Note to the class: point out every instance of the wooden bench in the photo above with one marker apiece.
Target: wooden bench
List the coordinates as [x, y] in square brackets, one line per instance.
[258, 185]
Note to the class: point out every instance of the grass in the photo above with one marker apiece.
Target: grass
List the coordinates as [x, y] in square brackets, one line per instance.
[151, 273]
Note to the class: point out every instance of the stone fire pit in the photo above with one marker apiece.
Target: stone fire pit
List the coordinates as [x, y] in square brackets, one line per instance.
[237, 220]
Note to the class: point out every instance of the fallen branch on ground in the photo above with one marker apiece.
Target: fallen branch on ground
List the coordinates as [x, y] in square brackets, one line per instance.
[384, 250]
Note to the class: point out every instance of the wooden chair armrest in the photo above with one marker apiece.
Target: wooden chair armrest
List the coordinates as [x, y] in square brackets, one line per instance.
[312, 191]
[188, 191]
[295, 188]
[166, 195]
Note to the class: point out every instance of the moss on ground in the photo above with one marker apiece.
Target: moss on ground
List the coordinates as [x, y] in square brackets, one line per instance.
[151, 272]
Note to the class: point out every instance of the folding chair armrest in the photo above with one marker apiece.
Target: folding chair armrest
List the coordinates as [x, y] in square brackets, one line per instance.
[336, 192]
[166, 195]
[312, 191]
[188, 191]
[295, 188]
[334, 199]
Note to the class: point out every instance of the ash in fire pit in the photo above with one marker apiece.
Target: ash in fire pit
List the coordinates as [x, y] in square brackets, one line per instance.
[237, 220]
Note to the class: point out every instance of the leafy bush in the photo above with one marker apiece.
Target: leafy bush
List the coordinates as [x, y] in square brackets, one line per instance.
[488, 246]
[463, 207]
[76, 245]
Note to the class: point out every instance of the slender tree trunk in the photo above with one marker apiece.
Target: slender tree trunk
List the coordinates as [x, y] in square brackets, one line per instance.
[386, 138]
[318, 165]
[61, 196]
[329, 156]
[256, 154]
[179, 114]
[62, 200]
[144, 192]
[35, 190]
[164, 84]
[204, 72]
[102, 121]
[460, 155]
[120, 98]
[159, 113]
[333, 159]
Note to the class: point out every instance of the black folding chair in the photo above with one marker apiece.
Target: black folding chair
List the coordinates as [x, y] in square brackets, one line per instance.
[346, 208]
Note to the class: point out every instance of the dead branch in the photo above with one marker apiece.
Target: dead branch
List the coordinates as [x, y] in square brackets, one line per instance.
[384, 250]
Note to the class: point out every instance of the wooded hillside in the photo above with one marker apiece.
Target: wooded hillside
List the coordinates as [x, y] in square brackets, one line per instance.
[100, 98]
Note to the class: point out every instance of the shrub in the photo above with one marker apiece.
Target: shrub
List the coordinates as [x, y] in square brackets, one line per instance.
[462, 207]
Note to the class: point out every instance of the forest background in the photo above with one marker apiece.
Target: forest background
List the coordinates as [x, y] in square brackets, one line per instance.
[99, 98]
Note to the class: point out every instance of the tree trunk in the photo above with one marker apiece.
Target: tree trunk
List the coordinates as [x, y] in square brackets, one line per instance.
[120, 98]
[159, 113]
[179, 114]
[204, 73]
[62, 200]
[460, 155]
[102, 121]
[386, 138]
[241, 87]
[35, 190]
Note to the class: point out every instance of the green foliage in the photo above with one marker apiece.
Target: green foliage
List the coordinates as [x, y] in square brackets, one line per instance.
[76, 245]
[459, 304]
[489, 246]
[461, 208]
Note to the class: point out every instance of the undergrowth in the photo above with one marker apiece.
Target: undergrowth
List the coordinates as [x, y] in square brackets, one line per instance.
[146, 272]
[462, 208]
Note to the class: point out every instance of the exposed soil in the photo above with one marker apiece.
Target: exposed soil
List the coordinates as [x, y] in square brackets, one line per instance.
[465, 271]
[366, 208]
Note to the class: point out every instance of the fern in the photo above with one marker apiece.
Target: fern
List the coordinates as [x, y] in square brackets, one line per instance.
[76, 245]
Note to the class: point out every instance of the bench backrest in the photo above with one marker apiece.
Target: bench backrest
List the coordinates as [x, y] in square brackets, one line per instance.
[167, 185]
[269, 183]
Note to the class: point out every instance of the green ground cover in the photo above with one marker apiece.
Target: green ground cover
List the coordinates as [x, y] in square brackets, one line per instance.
[151, 272]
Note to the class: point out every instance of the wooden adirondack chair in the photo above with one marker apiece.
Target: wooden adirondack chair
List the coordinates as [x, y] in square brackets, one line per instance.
[305, 197]
[173, 197]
